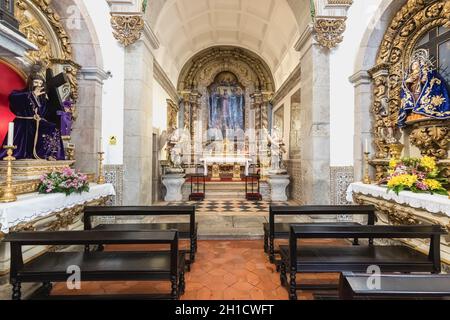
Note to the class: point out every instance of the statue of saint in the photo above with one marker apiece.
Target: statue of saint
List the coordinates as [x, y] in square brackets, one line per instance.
[35, 135]
[277, 149]
[425, 93]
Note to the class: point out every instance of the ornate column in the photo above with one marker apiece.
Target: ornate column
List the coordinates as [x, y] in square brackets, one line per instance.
[172, 114]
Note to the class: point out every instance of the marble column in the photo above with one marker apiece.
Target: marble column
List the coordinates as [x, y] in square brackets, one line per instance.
[363, 119]
[315, 119]
[87, 129]
[138, 124]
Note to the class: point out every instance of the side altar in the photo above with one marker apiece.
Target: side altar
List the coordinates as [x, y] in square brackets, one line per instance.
[407, 208]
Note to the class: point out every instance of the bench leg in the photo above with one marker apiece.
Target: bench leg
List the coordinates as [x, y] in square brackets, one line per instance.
[101, 248]
[192, 253]
[356, 242]
[182, 284]
[87, 248]
[283, 278]
[174, 293]
[272, 249]
[47, 287]
[16, 289]
[266, 240]
[293, 285]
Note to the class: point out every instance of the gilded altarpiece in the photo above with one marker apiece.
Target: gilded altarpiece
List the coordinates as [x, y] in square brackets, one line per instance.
[403, 36]
[238, 78]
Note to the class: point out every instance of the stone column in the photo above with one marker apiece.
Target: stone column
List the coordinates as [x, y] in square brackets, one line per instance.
[315, 119]
[87, 129]
[138, 124]
[363, 118]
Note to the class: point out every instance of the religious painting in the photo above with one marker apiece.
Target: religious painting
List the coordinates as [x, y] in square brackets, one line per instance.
[226, 104]
[294, 140]
[278, 119]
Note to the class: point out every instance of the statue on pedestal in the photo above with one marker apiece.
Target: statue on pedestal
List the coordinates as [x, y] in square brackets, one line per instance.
[277, 149]
[425, 93]
[37, 134]
[174, 147]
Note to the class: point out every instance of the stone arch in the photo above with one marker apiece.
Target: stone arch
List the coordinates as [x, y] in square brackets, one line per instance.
[244, 63]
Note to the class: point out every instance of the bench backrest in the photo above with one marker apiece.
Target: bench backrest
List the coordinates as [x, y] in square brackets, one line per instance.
[432, 232]
[19, 239]
[92, 211]
[368, 210]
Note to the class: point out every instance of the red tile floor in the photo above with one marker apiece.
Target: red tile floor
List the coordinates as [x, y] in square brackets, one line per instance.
[224, 270]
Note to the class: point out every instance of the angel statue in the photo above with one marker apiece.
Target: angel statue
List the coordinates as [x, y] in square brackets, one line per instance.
[174, 149]
[425, 93]
[277, 149]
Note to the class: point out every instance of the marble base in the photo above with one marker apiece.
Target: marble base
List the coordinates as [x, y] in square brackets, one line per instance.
[173, 184]
[278, 185]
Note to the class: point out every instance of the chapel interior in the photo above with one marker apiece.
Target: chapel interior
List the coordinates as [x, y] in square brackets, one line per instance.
[224, 149]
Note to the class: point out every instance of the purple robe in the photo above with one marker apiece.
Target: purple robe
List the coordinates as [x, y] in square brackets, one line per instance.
[46, 142]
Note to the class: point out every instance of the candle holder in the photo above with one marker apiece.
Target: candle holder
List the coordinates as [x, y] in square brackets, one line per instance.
[101, 178]
[8, 193]
[366, 179]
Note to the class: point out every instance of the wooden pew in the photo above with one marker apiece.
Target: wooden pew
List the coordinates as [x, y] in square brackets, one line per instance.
[186, 230]
[330, 259]
[394, 286]
[97, 265]
[274, 230]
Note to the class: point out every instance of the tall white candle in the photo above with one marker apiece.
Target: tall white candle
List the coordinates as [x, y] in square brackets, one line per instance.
[367, 146]
[11, 134]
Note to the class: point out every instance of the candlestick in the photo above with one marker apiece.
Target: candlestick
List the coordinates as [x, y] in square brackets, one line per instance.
[11, 134]
[8, 193]
[366, 179]
[101, 178]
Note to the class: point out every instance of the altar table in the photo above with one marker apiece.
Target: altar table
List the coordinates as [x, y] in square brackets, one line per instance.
[226, 160]
[34, 205]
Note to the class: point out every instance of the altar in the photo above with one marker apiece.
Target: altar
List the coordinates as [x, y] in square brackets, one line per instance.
[53, 212]
[407, 208]
[216, 161]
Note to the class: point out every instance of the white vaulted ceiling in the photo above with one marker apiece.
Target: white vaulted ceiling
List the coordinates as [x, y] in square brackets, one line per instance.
[266, 27]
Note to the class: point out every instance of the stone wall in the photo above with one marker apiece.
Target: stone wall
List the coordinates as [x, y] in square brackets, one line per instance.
[295, 188]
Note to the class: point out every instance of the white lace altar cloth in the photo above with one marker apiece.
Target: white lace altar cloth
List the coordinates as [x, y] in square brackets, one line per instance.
[34, 205]
[431, 203]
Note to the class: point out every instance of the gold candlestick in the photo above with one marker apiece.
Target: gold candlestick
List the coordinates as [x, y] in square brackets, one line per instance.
[101, 178]
[8, 194]
[366, 179]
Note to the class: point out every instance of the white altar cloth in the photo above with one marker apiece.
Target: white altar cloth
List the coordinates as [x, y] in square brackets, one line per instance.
[432, 203]
[226, 160]
[34, 205]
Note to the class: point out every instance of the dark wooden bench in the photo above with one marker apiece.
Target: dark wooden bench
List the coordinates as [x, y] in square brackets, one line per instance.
[274, 230]
[394, 286]
[97, 265]
[187, 231]
[335, 259]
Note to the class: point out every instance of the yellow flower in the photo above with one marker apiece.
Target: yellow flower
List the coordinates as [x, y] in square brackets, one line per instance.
[406, 180]
[428, 163]
[433, 184]
[393, 163]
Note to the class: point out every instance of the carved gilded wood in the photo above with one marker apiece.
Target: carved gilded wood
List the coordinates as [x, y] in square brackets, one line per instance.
[411, 23]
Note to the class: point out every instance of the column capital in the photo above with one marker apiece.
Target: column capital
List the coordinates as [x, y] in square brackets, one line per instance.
[361, 77]
[94, 74]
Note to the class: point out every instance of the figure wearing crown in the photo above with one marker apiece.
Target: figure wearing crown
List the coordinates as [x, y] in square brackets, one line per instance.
[37, 108]
[425, 93]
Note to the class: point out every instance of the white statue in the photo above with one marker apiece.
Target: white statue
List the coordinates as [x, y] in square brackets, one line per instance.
[277, 149]
[174, 148]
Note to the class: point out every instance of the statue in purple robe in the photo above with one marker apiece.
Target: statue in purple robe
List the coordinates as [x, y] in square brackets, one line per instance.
[66, 118]
[35, 136]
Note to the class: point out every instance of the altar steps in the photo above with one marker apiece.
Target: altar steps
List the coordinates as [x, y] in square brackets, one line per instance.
[225, 190]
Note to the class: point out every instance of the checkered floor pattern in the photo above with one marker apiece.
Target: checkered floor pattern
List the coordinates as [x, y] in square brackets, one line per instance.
[232, 206]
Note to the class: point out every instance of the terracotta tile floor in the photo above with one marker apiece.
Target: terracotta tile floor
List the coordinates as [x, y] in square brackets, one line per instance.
[230, 270]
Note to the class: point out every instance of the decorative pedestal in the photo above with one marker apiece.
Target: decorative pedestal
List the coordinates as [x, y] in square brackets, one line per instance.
[278, 186]
[173, 184]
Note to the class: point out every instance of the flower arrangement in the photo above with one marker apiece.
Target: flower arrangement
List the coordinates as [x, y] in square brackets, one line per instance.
[419, 175]
[66, 181]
